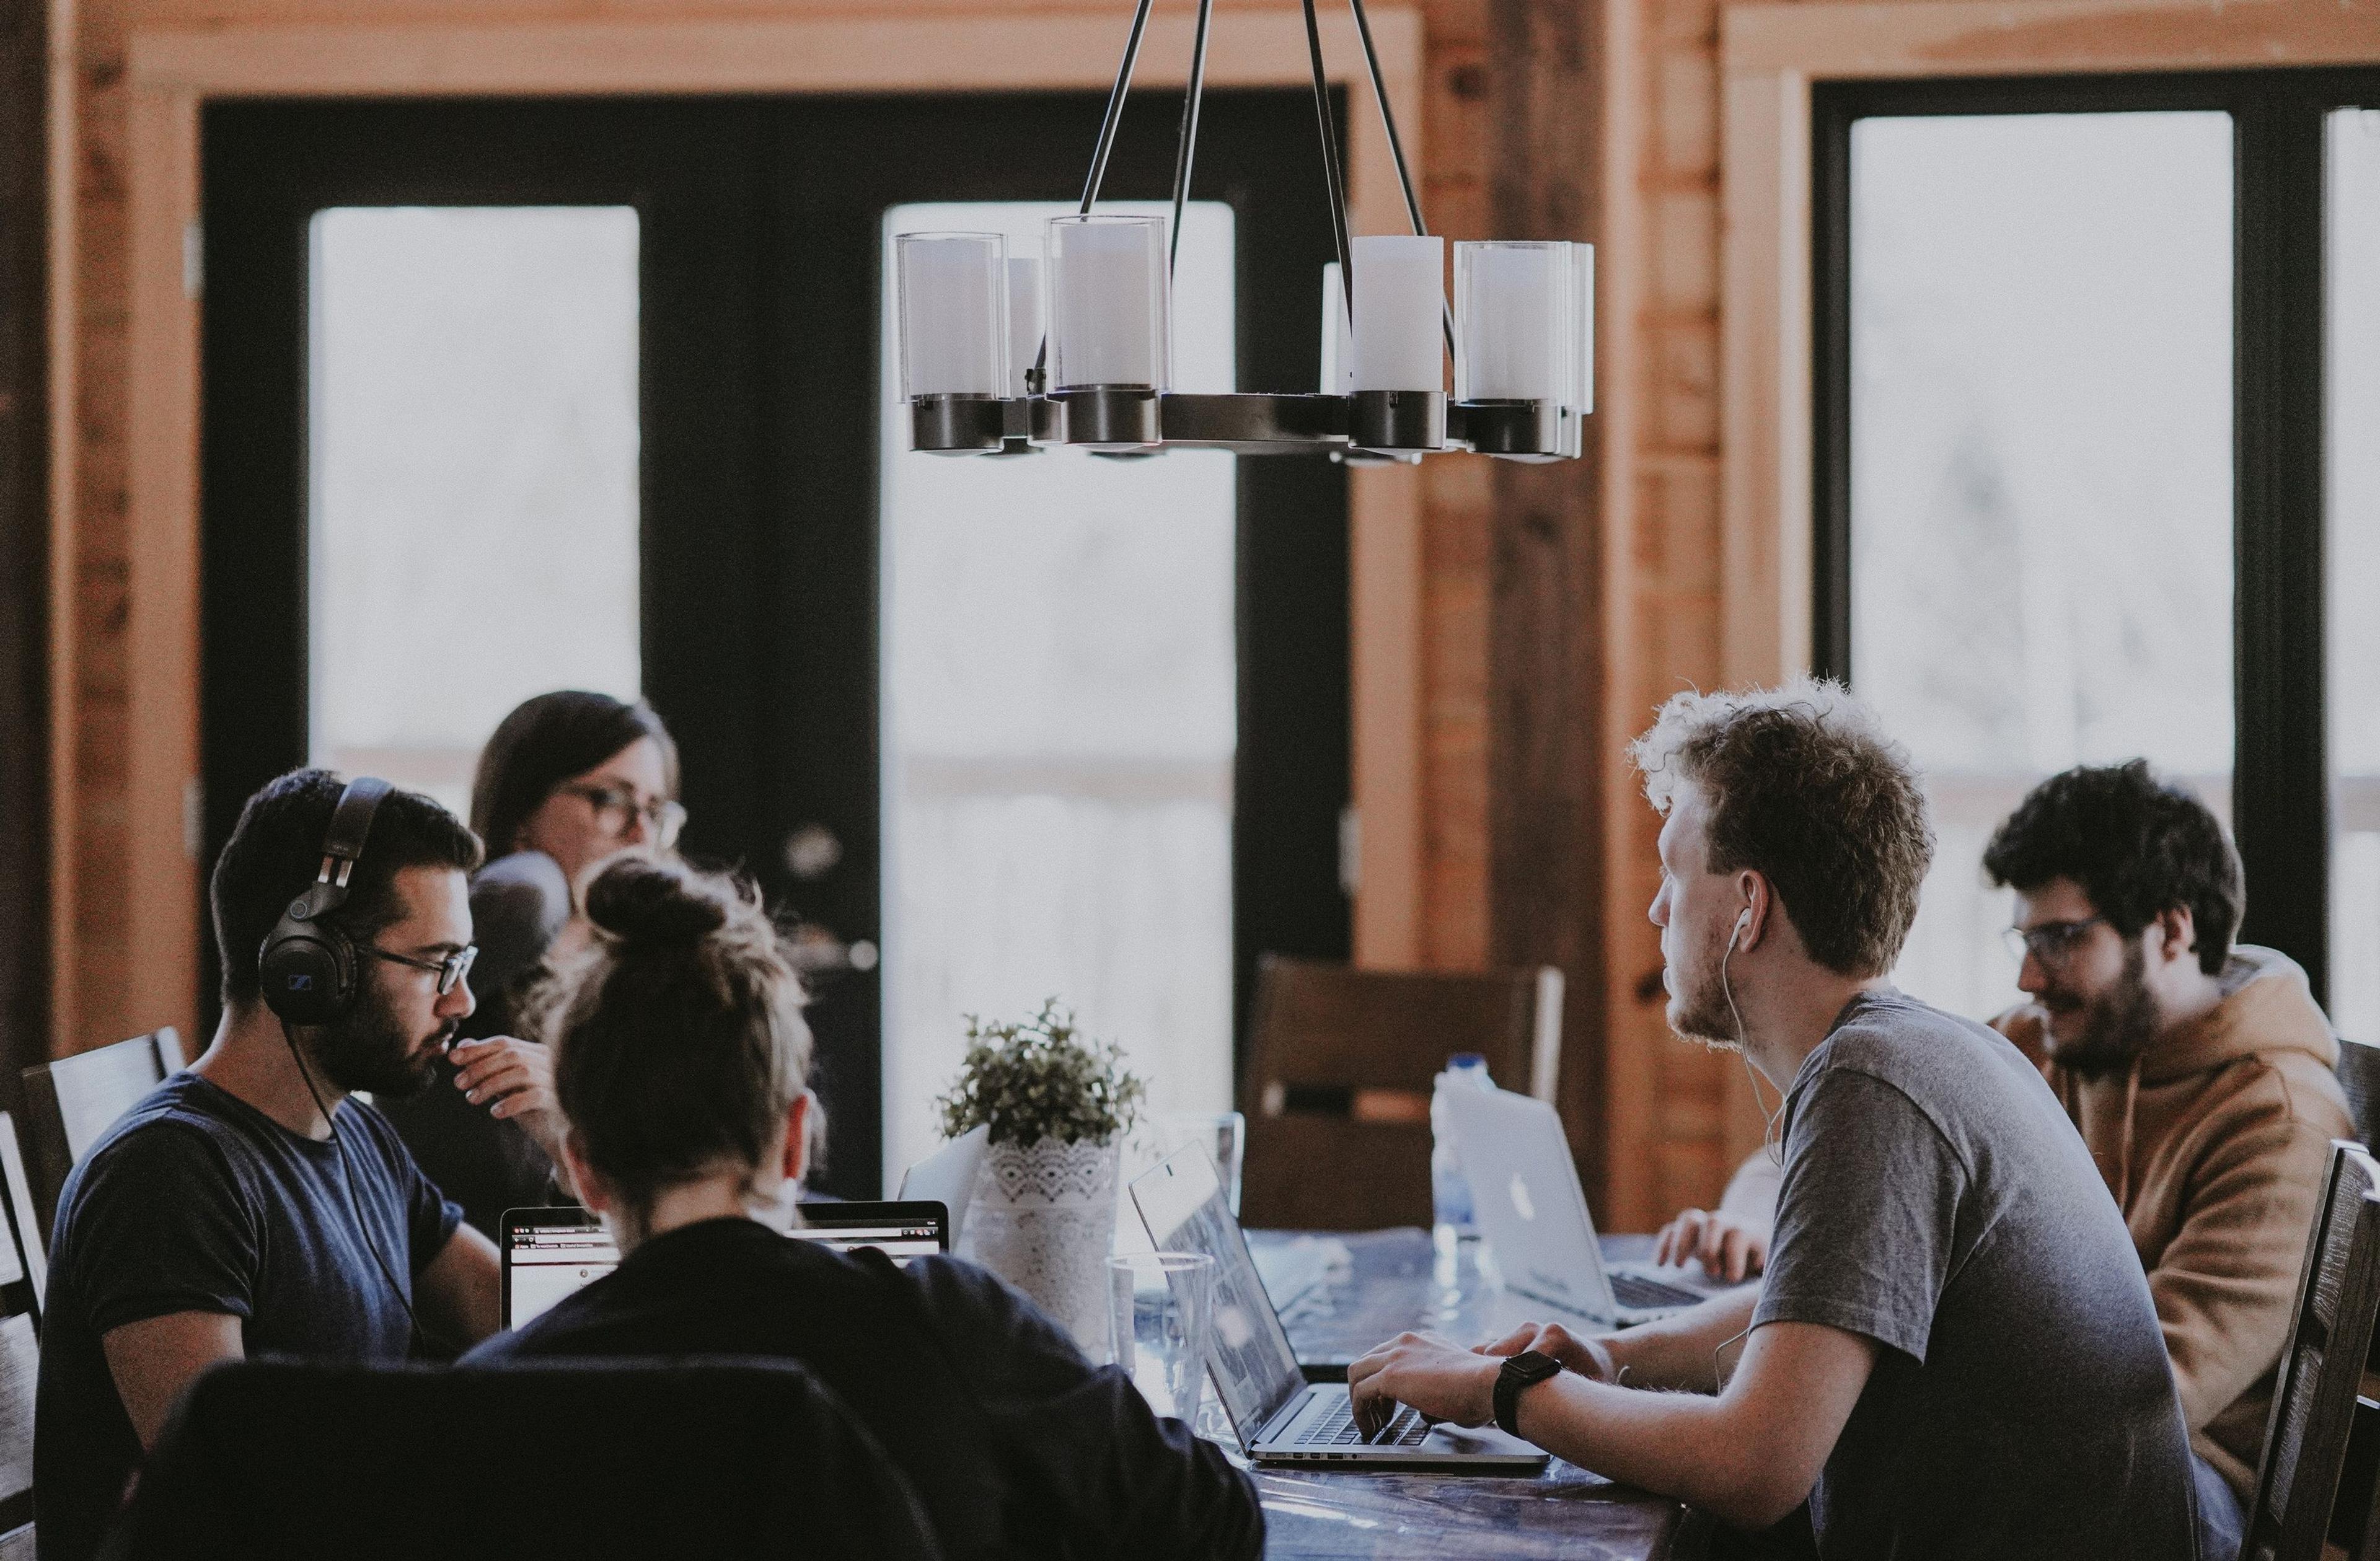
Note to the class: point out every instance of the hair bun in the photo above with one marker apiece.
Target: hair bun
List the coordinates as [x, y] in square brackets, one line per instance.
[642, 902]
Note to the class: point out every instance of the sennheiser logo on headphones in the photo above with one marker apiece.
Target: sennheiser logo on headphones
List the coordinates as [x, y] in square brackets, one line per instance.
[301, 983]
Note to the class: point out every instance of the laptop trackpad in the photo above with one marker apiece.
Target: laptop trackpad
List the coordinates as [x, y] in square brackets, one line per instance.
[1477, 1439]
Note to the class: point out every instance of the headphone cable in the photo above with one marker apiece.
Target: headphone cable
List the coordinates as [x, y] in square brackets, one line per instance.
[417, 1334]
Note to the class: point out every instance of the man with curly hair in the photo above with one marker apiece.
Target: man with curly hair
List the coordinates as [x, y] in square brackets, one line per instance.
[1953, 1352]
[2200, 1073]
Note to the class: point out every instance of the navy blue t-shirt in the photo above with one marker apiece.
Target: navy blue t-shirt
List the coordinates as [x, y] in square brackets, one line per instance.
[195, 1201]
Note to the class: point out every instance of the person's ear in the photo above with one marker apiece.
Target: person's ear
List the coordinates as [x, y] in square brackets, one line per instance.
[578, 1177]
[2178, 931]
[797, 1138]
[1751, 918]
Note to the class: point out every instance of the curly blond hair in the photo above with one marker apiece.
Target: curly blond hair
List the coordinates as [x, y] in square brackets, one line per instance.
[1806, 789]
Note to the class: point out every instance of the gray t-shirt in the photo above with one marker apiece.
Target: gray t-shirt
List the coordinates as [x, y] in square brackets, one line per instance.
[1937, 1201]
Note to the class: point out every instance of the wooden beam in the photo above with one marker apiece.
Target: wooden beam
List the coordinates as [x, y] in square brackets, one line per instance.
[1546, 655]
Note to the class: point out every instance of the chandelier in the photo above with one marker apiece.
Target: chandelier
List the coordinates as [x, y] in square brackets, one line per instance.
[1005, 354]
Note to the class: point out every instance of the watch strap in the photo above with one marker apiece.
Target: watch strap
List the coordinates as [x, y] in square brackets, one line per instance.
[1526, 1369]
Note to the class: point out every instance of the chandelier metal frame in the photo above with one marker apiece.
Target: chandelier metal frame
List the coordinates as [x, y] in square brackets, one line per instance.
[1359, 426]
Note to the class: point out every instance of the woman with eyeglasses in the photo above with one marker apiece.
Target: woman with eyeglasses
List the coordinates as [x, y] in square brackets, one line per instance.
[567, 781]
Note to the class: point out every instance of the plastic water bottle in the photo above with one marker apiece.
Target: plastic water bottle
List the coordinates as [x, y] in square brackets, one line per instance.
[1450, 1189]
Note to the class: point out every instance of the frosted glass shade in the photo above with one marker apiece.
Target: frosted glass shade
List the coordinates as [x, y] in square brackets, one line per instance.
[953, 303]
[1024, 321]
[1337, 376]
[1513, 308]
[1399, 306]
[1581, 275]
[1108, 318]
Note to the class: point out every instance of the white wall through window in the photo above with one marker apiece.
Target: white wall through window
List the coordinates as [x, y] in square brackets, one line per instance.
[2352, 203]
[2041, 564]
[473, 454]
[1059, 724]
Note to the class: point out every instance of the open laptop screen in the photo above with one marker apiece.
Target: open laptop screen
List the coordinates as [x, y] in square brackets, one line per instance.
[903, 1231]
[1254, 1369]
[549, 1252]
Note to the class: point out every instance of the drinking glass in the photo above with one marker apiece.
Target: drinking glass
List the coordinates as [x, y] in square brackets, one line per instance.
[1160, 1317]
[1225, 1136]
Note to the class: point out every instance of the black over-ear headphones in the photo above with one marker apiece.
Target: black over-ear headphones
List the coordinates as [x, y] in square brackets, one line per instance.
[308, 964]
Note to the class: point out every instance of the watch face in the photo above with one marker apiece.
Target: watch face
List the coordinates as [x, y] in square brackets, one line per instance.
[1536, 1366]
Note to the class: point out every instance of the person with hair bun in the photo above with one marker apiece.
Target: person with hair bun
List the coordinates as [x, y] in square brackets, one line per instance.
[681, 1063]
[566, 780]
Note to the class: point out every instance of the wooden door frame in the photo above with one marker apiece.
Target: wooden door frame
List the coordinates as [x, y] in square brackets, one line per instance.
[1770, 55]
[825, 47]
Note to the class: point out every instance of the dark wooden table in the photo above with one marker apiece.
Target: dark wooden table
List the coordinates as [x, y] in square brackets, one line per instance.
[1372, 1286]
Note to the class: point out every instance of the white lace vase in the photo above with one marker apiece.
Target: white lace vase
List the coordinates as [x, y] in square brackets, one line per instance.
[1043, 1218]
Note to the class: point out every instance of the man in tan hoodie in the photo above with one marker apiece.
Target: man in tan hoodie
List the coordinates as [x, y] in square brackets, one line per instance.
[2199, 1074]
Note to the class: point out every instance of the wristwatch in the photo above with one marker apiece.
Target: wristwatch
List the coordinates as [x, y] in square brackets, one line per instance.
[1526, 1369]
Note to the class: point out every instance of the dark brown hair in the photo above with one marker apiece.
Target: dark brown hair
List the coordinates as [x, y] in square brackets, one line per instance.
[1804, 788]
[2140, 846]
[545, 741]
[275, 850]
[679, 1042]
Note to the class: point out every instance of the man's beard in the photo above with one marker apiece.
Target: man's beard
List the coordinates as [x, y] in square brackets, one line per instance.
[368, 1049]
[2118, 1024]
[1700, 1011]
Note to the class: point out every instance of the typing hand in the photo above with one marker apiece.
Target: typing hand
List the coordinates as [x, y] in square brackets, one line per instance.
[1729, 1248]
[1442, 1381]
[515, 1081]
[1587, 1357]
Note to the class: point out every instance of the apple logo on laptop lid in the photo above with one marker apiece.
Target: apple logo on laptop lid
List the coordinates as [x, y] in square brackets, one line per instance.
[1528, 1210]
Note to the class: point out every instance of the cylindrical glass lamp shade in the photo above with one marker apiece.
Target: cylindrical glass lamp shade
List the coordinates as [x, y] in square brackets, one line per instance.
[1398, 309]
[1514, 303]
[1337, 353]
[1024, 321]
[953, 296]
[1108, 317]
[1581, 272]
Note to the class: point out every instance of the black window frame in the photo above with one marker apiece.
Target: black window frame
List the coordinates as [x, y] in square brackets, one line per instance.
[2281, 805]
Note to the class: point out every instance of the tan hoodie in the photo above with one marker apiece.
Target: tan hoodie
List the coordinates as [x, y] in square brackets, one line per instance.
[2214, 1144]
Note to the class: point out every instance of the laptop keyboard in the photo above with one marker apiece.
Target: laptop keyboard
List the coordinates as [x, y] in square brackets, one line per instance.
[1338, 1429]
[1634, 1290]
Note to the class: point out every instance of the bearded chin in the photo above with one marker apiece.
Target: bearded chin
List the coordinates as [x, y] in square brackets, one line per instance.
[368, 1049]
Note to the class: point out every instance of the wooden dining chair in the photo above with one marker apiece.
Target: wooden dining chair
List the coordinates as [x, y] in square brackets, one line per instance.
[1341, 1065]
[70, 1102]
[2322, 1368]
[2358, 1075]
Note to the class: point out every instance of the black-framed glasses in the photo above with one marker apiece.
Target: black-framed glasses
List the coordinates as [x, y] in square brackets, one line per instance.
[616, 806]
[450, 970]
[2052, 943]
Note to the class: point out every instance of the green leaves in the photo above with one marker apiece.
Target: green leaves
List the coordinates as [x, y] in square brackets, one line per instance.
[1038, 1079]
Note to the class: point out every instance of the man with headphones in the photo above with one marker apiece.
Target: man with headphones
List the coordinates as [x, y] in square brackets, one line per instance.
[251, 1205]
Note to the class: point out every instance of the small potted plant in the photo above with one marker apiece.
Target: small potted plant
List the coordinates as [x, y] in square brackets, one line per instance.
[1055, 1106]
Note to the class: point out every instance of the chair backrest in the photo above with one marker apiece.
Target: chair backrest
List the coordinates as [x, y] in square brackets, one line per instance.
[20, 1369]
[564, 1460]
[1341, 1063]
[2322, 1368]
[2358, 1075]
[70, 1102]
[24, 1228]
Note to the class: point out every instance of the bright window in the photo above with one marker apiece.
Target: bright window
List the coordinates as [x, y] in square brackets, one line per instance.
[1060, 721]
[474, 456]
[2352, 357]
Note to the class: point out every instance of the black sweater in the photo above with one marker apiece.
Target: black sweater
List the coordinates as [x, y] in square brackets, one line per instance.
[1016, 1445]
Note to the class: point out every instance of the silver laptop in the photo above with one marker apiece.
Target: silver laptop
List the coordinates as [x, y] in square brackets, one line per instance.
[1526, 1195]
[1277, 1416]
[947, 1177]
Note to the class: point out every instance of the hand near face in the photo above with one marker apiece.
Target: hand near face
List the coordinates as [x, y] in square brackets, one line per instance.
[513, 1080]
[1442, 1381]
